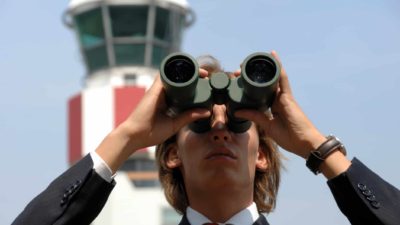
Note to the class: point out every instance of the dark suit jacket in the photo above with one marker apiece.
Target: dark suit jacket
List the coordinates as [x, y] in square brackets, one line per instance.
[78, 195]
[75, 197]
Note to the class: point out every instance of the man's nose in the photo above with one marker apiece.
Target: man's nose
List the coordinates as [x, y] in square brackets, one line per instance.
[219, 131]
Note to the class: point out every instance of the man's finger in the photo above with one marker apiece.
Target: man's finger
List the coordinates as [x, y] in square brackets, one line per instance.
[237, 72]
[157, 84]
[284, 80]
[203, 73]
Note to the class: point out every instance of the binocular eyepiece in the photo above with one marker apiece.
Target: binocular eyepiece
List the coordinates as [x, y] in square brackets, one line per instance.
[255, 88]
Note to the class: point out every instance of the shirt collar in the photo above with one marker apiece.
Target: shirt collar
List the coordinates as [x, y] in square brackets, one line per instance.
[246, 216]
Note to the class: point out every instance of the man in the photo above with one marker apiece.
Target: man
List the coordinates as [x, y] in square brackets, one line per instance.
[218, 176]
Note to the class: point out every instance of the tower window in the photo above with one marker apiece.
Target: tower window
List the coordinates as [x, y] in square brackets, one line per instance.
[96, 57]
[142, 172]
[90, 28]
[163, 25]
[92, 38]
[129, 54]
[159, 53]
[129, 21]
[130, 79]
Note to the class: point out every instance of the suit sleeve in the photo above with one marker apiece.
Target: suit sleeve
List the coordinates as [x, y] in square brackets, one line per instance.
[364, 197]
[75, 197]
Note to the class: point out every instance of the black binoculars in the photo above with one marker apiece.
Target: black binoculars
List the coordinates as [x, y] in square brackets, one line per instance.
[255, 88]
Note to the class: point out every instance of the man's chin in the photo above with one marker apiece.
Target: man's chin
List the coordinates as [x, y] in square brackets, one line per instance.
[222, 178]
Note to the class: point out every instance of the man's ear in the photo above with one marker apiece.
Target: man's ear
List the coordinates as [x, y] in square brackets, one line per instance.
[262, 161]
[173, 160]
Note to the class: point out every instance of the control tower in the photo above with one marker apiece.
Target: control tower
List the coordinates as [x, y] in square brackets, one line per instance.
[122, 43]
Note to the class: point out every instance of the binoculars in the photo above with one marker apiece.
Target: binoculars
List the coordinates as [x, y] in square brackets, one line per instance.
[255, 88]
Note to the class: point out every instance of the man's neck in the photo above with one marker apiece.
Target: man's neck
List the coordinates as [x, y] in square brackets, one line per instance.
[220, 206]
[247, 216]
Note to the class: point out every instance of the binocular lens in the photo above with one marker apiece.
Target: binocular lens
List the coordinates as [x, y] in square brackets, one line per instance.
[260, 69]
[179, 69]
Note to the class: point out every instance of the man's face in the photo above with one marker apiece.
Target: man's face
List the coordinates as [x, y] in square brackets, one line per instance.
[219, 158]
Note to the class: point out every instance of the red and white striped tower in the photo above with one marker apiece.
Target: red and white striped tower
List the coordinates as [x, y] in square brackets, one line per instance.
[122, 43]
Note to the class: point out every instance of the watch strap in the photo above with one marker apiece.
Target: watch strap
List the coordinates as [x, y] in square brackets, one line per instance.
[318, 156]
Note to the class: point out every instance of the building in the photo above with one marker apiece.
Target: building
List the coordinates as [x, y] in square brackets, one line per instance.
[122, 43]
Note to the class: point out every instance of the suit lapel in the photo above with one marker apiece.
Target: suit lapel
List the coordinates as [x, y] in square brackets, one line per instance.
[184, 220]
[260, 221]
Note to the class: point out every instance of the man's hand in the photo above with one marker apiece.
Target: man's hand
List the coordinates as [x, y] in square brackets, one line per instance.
[146, 126]
[289, 127]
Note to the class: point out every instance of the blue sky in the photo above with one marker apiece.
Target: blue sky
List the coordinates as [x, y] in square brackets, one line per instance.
[342, 58]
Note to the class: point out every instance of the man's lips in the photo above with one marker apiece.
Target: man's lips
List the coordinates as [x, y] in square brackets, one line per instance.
[221, 152]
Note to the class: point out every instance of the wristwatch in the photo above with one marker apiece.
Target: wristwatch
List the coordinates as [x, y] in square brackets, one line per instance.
[318, 156]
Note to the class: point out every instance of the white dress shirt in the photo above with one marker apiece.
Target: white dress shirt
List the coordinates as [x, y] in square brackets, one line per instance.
[245, 217]
[101, 167]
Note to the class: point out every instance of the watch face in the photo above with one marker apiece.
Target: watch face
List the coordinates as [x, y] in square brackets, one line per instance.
[341, 148]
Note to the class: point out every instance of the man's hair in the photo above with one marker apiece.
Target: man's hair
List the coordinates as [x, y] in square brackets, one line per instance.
[266, 183]
[209, 63]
